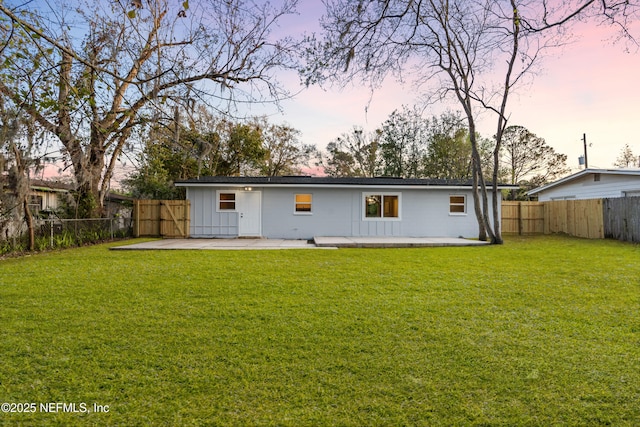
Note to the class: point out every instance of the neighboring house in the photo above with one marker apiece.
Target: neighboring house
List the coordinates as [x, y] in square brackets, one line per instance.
[306, 207]
[47, 195]
[591, 184]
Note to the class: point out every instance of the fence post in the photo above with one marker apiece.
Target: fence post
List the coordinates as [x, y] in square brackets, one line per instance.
[520, 219]
[136, 218]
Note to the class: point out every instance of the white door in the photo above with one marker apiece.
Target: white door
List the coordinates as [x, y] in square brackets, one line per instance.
[249, 211]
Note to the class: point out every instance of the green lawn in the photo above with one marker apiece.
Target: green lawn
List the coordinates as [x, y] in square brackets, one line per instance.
[539, 331]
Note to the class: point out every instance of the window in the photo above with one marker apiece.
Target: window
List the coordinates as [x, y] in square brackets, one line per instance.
[35, 204]
[382, 206]
[458, 204]
[226, 201]
[303, 203]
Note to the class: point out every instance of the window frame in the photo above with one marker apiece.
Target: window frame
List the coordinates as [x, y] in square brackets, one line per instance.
[296, 203]
[218, 200]
[463, 204]
[382, 195]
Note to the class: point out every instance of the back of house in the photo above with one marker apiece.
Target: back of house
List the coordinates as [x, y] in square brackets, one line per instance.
[302, 207]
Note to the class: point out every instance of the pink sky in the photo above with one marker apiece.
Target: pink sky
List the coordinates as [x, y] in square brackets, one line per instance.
[589, 86]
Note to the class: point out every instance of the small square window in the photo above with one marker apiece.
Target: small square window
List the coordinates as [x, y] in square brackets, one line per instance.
[457, 204]
[227, 201]
[303, 203]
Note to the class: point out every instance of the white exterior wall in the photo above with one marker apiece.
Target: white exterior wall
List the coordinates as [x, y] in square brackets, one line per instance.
[336, 212]
[586, 187]
[50, 199]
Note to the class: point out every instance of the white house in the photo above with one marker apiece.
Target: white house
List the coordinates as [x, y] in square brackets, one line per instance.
[47, 195]
[592, 184]
[299, 207]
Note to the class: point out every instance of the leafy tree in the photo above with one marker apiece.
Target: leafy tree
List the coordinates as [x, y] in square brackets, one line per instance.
[627, 159]
[448, 155]
[215, 146]
[93, 91]
[285, 154]
[159, 168]
[243, 153]
[403, 141]
[338, 162]
[230, 149]
[529, 161]
[353, 154]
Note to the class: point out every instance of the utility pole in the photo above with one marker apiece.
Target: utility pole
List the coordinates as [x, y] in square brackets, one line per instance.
[584, 139]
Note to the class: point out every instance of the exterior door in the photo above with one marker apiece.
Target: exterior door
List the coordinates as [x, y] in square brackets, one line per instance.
[250, 214]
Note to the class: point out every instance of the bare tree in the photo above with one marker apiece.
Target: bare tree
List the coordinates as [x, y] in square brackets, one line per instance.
[19, 150]
[20, 138]
[627, 158]
[93, 91]
[529, 161]
[473, 51]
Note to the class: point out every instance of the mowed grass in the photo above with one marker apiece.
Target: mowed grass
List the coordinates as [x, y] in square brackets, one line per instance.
[539, 331]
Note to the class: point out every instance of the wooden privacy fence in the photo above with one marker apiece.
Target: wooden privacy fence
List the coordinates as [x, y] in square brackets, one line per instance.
[161, 218]
[622, 218]
[580, 218]
[523, 217]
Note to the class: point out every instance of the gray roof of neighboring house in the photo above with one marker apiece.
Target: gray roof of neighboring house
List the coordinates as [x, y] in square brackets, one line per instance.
[324, 181]
[44, 185]
[630, 172]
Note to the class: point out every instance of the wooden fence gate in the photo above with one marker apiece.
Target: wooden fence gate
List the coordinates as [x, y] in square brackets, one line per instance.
[581, 218]
[522, 217]
[161, 218]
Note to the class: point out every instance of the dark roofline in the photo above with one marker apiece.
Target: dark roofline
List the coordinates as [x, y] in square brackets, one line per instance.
[45, 185]
[325, 181]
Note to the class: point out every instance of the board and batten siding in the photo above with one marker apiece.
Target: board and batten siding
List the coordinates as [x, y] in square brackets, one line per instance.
[205, 220]
[336, 212]
[593, 186]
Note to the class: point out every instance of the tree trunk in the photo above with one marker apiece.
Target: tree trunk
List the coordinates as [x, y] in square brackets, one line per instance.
[29, 218]
[482, 230]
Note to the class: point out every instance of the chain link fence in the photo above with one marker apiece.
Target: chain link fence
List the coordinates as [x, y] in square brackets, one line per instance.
[52, 233]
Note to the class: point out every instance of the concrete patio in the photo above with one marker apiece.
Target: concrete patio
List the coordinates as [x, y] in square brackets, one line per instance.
[320, 243]
[393, 242]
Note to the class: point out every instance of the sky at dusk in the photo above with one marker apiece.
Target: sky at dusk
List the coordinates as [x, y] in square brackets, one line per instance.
[588, 87]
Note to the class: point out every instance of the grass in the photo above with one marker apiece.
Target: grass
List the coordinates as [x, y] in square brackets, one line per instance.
[539, 331]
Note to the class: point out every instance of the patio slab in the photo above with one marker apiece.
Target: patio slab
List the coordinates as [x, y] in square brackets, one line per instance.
[225, 244]
[320, 243]
[394, 242]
